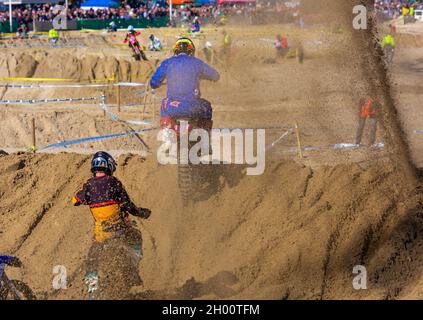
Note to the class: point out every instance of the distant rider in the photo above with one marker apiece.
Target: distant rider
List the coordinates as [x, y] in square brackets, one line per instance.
[388, 46]
[208, 52]
[196, 25]
[226, 46]
[131, 37]
[155, 43]
[54, 37]
[388, 40]
[110, 206]
[112, 27]
[183, 73]
[23, 31]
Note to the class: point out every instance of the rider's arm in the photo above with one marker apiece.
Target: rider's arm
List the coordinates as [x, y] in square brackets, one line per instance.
[122, 196]
[209, 73]
[126, 204]
[159, 75]
[81, 196]
[126, 39]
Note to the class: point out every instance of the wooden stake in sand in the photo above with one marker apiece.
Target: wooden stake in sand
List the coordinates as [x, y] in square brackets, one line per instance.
[153, 99]
[33, 147]
[103, 101]
[147, 91]
[118, 92]
[297, 131]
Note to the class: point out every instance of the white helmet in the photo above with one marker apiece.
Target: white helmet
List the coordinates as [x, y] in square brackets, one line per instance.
[130, 28]
[209, 44]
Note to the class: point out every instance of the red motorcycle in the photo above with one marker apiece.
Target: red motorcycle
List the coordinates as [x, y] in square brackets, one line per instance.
[191, 177]
[138, 53]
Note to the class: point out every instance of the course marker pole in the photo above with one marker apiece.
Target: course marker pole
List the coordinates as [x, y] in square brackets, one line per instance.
[153, 106]
[33, 147]
[103, 102]
[297, 131]
[141, 100]
[118, 93]
[147, 89]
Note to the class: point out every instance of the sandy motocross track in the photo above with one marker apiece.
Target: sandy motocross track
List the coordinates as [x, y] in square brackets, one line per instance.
[406, 74]
[296, 232]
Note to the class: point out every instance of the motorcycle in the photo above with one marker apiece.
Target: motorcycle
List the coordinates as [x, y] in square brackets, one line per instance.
[117, 266]
[189, 176]
[138, 53]
[388, 52]
[13, 289]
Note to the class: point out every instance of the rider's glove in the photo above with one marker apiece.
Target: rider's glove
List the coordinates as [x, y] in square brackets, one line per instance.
[75, 201]
[143, 213]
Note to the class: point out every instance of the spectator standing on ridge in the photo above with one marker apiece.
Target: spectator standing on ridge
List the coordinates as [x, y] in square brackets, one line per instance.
[281, 46]
[369, 110]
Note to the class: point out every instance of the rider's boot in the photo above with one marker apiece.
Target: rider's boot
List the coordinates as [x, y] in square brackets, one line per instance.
[143, 56]
[91, 280]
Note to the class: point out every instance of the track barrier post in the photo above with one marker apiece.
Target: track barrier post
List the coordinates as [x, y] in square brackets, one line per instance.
[147, 90]
[153, 101]
[297, 131]
[102, 103]
[118, 100]
[142, 99]
[33, 146]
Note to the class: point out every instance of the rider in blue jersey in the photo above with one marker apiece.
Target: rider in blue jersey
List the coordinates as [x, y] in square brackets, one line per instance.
[183, 73]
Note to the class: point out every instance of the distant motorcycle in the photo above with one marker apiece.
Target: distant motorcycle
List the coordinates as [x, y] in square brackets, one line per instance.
[137, 51]
[388, 52]
[13, 289]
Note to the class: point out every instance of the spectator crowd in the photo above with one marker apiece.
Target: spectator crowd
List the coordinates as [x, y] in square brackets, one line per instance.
[46, 12]
[137, 9]
[391, 9]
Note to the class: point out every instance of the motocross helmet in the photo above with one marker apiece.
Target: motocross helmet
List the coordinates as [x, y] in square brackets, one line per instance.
[103, 162]
[184, 45]
[131, 29]
[151, 37]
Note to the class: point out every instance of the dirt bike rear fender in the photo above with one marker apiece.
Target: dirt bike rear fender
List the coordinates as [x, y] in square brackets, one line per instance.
[173, 124]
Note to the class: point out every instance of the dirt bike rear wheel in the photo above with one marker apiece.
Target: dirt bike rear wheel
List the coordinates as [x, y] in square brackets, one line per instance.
[185, 182]
[117, 270]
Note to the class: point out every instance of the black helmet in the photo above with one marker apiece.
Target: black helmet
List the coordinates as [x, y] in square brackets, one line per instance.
[184, 45]
[151, 37]
[103, 162]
